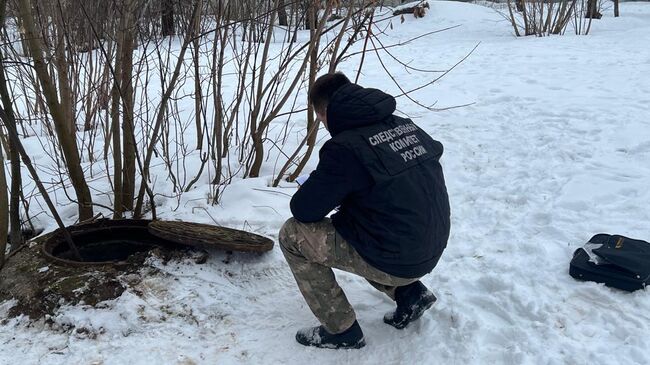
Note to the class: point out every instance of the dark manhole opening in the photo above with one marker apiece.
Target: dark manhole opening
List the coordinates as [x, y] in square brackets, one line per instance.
[116, 241]
[101, 250]
[104, 242]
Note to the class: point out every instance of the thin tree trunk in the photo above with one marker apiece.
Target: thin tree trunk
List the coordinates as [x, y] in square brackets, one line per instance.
[61, 67]
[263, 125]
[313, 69]
[512, 19]
[4, 217]
[257, 132]
[311, 19]
[217, 78]
[15, 238]
[198, 97]
[592, 10]
[283, 20]
[168, 28]
[312, 128]
[128, 130]
[520, 5]
[616, 10]
[67, 99]
[68, 144]
[160, 115]
[89, 112]
[13, 134]
[115, 121]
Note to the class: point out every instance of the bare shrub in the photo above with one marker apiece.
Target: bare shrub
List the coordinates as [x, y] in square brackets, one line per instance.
[547, 17]
[194, 92]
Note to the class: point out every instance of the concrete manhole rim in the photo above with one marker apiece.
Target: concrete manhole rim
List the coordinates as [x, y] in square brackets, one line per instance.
[54, 238]
[165, 233]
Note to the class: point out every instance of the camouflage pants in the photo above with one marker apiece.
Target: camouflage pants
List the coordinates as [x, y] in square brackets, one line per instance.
[312, 250]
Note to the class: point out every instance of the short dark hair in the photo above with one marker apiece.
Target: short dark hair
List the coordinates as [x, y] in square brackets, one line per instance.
[324, 87]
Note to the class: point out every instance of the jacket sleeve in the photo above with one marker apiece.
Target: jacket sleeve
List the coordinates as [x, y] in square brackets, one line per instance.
[328, 185]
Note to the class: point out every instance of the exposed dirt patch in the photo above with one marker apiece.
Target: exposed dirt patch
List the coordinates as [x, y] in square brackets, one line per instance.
[40, 286]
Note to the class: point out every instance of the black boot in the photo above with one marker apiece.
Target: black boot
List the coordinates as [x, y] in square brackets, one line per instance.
[412, 301]
[352, 338]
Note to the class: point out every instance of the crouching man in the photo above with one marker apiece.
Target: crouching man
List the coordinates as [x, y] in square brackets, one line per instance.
[392, 225]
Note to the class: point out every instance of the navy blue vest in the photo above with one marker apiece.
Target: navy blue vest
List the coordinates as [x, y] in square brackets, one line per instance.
[401, 223]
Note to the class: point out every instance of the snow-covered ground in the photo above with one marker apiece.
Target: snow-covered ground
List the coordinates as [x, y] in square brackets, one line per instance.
[554, 149]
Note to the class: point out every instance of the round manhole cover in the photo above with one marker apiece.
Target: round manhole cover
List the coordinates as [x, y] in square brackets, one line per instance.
[194, 234]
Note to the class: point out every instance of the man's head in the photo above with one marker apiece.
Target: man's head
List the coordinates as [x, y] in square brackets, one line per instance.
[322, 90]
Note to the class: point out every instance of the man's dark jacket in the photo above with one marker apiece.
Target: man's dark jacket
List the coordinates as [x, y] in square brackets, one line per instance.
[384, 173]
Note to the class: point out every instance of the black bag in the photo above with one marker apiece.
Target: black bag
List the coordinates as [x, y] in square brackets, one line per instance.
[616, 261]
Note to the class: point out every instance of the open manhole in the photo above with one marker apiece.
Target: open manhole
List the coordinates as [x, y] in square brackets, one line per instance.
[103, 242]
[115, 241]
[43, 276]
